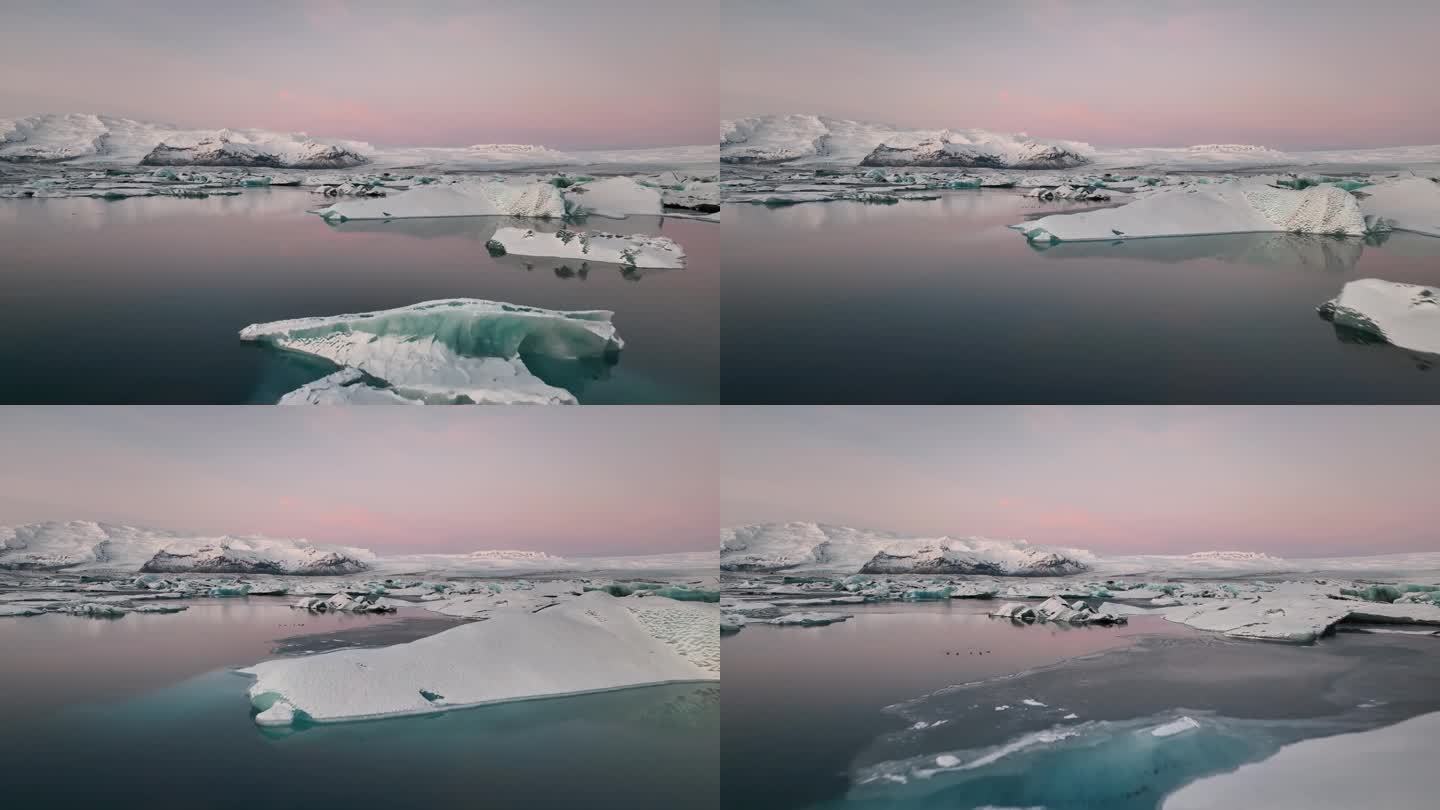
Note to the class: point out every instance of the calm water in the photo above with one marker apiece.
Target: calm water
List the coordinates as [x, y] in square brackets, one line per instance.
[112, 713]
[141, 300]
[937, 302]
[811, 713]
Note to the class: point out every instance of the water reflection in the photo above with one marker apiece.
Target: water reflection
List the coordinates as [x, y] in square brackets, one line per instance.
[1333, 254]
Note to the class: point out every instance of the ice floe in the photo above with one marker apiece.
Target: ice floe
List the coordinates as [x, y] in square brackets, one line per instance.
[655, 252]
[461, 350]
[1321, 774]
[590, 643]
[1404, 315]
[1410, 204]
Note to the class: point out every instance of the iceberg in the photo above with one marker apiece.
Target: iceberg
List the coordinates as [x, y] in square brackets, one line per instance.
[591, 643]
[653, 252]
[1232, 208]
[462, 199]
[225, 149]
[614, 197]
[461, 350]
[1412, 204]
[1321, 774]
[810, 619]
[1404, 315]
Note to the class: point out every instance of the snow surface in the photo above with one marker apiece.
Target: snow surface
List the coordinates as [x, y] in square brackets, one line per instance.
[633, 250]
[1196, 211]
[1390, 767]
[1404, 315]
[591, 643]
[460, 350]
[820, 547]
[614, 197]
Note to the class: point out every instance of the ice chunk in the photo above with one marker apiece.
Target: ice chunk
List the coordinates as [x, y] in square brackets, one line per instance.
[280, 713]
[1412, 204]
[463, 199]
[1196, 211]
[1405, 315]
[460, 350]
[615, 197]
[1178, 726]
[811, 619]
[631, 251]
[591, 643]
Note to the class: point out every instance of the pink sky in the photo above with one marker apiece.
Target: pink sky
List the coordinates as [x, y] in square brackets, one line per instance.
[569, 481]
[1290, 75]
[1173, 479]
[565, 74]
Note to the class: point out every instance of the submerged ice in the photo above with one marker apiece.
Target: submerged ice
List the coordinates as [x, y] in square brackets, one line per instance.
[462, 350]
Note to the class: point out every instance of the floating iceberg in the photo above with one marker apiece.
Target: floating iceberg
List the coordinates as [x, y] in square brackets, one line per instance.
[461, 350]
[615, 197]
[1412, 204]
[1404, 315]
[1235, 208]
[464, 199]
[1294, 615]
[811, 619]
[1320, 774]
[656, 252]
[348, 386]
[591, 643]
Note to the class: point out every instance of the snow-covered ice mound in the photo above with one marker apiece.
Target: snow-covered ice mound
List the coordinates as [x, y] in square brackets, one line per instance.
[85, 545]
[348, 386]
[461, 350]
[1198, 211]
[1404, 315]
[1412, 204]
[632, 250]
[801, 545]
[230, 149]
[464, 199]
[591, 643]
[615, 197]
[1321, 774]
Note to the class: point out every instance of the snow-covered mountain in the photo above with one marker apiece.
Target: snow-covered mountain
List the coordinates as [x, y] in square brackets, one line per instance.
[87, 545]
[87, 139]
[821, 139]
[820, 547]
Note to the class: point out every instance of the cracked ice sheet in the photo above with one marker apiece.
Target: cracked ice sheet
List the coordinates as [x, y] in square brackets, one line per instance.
[461, 350]
[592, 643]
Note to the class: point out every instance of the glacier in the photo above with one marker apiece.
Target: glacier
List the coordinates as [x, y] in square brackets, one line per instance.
[461, 350]
[638, 251]
[590, 643]
[1404, 315]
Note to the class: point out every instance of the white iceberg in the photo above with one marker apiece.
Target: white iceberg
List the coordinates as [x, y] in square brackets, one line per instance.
[461, 350]
[1404, 315]
[632, 250]
[811, 619]
[1398, 770]
[1412, 204]
[1197, 211]
[614, 197]
[463, 199]
[592, 643]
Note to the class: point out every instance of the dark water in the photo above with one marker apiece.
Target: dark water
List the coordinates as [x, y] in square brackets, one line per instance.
[940, 302]
[141, 300]
[191, 742]
[822, 716]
